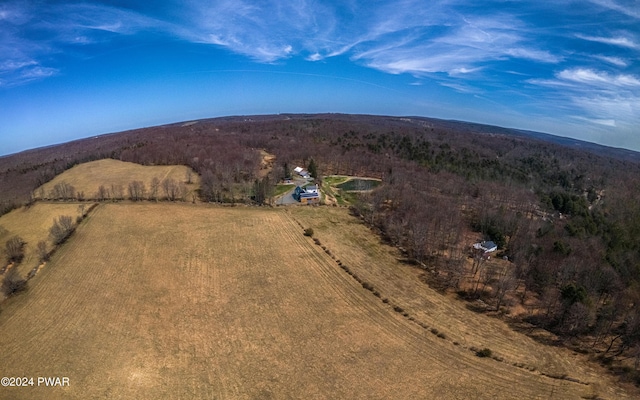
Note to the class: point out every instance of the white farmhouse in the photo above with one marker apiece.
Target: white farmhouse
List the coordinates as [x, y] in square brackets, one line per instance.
[486, 246]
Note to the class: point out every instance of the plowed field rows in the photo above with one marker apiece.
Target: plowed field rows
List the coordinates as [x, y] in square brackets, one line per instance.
[352, 242]
[189, 301]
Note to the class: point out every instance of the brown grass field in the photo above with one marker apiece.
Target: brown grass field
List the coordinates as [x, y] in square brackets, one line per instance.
[186, 301]
[87, 177]
[32, 225]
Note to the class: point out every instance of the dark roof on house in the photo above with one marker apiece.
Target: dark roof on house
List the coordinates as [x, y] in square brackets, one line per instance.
[489, 244]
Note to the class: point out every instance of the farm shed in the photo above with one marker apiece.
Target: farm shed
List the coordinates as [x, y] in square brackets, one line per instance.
[302, 172]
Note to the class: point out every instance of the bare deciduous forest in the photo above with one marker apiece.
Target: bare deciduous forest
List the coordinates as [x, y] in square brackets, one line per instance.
[566, 220]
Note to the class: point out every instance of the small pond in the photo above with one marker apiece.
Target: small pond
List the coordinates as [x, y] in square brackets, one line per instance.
[358, 184]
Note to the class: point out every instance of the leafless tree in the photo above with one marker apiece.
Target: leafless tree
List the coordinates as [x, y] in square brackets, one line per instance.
[550, 300]
[103, 193]
[153, 190]
[577, 320]
[504, 283]
[209, 190]
[189, 176]
[487, 276]
[181, 192]
[174, 190]
[117, 192]
[62, 191]
[15, 249]
[13, 283]
[136, 190]
[43, 254]
[419, 234]
[455, 267]
[61, 229]
[479, 258]
[169, 188]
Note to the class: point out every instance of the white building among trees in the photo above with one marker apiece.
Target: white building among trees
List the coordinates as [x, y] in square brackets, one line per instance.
[302, 172]
[486, 246]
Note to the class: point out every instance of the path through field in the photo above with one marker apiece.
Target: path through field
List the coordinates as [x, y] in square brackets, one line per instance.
[190, 301]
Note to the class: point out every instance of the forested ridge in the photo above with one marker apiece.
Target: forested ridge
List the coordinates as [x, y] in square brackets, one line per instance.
[566, 220]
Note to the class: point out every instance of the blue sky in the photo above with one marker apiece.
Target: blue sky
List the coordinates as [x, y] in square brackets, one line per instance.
[71, 69]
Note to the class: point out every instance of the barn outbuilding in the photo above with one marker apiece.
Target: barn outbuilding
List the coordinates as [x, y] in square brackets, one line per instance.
[302, 172]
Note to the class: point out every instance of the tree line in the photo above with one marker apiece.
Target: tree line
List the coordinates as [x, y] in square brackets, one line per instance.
[168, 189]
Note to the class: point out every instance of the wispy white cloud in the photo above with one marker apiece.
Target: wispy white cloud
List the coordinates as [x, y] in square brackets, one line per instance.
[408, 36]
[603, 122]
[629, 8]
[70, 20]
[598, 78]
[22, 73]
[585, 79]
[460, 87]
[14, 12]
[621, 41]
[609, 100]
[454, 44]
[38, 72]
[266, 31]
[619, 106]
[533, 54]
[558, 58]
[12, 65]
[464, 71]
[617, 61]
[314, 57]
[32, 32]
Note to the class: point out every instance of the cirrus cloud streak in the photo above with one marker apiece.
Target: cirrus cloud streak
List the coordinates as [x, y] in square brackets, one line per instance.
[552, 57]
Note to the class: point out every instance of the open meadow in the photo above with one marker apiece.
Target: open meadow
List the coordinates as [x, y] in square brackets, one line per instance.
[112, 174]
[32, 224]
[195, 301]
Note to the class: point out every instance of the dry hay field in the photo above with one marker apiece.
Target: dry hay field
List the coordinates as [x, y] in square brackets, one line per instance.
[88, 177]
[32, 224]
[191, 301]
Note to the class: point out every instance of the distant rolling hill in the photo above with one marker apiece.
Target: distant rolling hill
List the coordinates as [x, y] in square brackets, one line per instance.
[607, 151]
[601, 150]
[186, 141]
[461, 126]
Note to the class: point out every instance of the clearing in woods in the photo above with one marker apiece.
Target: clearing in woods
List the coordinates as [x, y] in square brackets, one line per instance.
[195, 301]
[88, 177]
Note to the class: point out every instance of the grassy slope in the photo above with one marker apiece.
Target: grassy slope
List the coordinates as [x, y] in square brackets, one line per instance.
[377, 264]
[184, 301]
[32, 225]
[89, 176]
